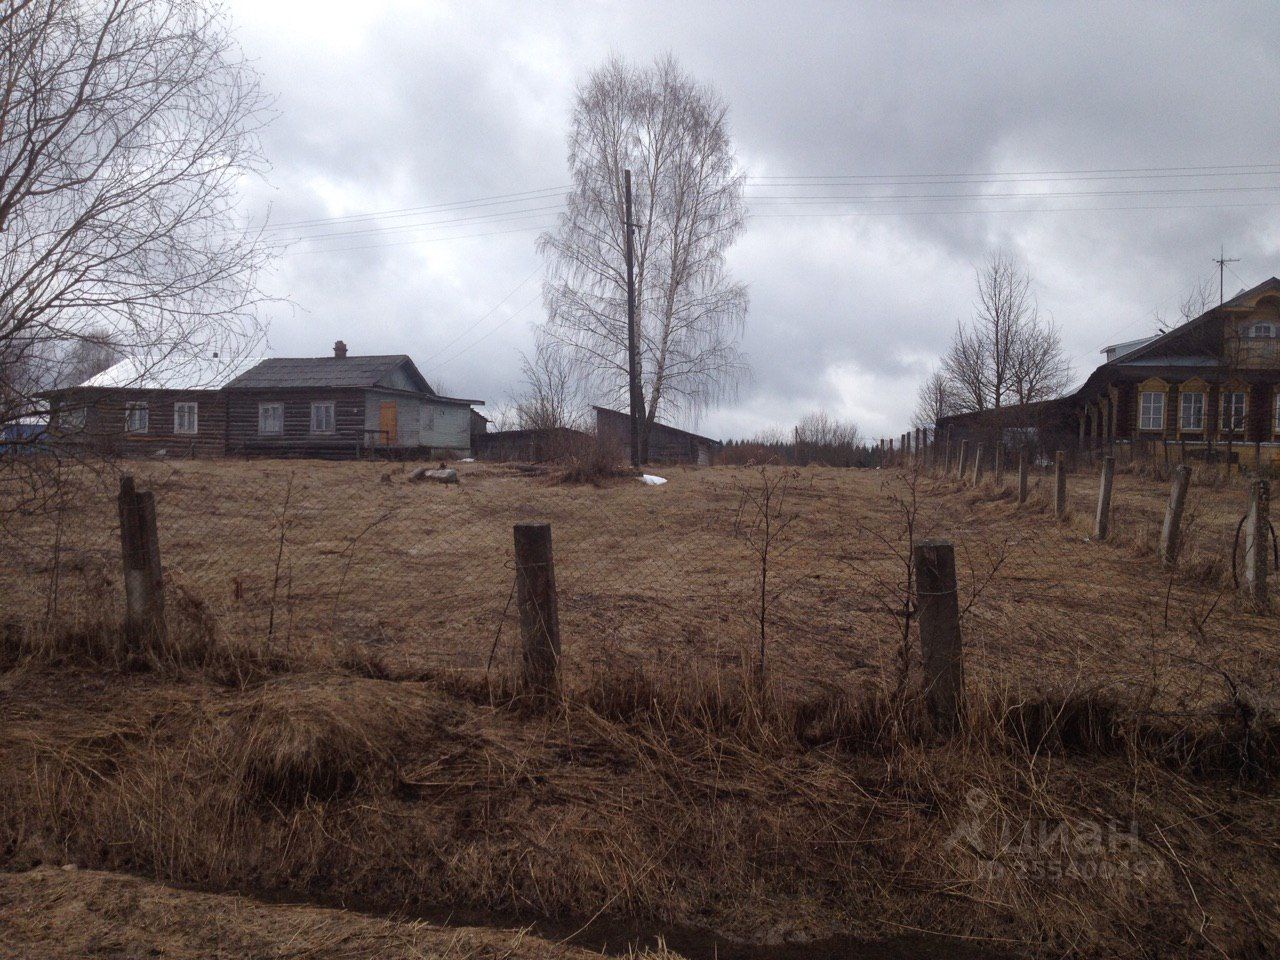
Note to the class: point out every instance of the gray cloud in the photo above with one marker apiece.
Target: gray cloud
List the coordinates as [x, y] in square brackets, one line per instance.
[399, 107]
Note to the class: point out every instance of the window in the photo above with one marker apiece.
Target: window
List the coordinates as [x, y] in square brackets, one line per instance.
[322, 417]
[1263, 330]
[1192, 416]
[186, 417]
[72, 419]
[135, 417]
[1275, 415]
[1233, 411]
[1151, 412]
[271, 419]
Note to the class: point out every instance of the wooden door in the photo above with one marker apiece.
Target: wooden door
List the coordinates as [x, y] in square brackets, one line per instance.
[387, 423]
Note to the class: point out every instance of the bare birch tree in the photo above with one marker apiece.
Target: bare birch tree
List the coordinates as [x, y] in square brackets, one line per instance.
[125, 128]
[551, 395]
[935, 399]
[671, 132]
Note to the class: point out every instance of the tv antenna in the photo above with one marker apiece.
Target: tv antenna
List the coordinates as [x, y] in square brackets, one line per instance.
[1222, 260]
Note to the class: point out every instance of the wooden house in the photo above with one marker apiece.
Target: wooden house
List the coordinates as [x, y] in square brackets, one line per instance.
[145, 406]
[1208, 386]
[343, 406]
[339, 406]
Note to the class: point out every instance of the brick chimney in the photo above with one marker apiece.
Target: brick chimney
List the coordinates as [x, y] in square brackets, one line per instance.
[340, 350]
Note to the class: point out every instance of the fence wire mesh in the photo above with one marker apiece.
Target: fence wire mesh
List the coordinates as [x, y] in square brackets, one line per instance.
[669, 579]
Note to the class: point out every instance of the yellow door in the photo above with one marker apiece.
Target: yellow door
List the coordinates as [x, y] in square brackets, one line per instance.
[387, 426]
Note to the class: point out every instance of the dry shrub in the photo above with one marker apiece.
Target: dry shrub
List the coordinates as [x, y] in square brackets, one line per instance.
[591, 460]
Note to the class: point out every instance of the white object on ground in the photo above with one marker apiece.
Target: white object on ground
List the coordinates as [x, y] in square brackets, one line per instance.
[467, 460]
[651, 480]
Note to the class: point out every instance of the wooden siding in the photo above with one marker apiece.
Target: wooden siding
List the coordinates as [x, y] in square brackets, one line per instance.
[104, 422]
[296, 438]
[666, 444]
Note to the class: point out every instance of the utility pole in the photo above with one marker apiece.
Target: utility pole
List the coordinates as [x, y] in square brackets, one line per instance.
[1221, 260]
[633, 377]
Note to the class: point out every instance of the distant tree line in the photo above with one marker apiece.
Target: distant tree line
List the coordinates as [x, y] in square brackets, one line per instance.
[818, 439]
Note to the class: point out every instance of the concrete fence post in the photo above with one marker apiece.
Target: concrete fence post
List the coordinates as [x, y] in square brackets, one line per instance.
[1022, 477]
[140, 554]
[963, 459]
[1102, 523]
[1060, 485]
[977, 464]
[536, 602]
[938, 608]
[1257, 540]
[1171, 532]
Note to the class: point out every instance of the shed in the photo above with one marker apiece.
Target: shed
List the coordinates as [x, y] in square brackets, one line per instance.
[666, 444]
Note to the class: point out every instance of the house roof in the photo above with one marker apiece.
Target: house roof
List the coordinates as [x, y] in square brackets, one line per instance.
[372, 371]
[366, 373]
[1245, 298]
[172, 372]
[658, 423]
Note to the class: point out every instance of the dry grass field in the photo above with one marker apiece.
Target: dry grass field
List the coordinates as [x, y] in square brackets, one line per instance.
[319, 724]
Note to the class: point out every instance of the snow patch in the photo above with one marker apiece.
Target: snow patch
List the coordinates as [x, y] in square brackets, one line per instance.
[652, 481]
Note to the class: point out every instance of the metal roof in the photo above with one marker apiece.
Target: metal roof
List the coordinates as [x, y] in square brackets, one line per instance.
[172, 372]
[277, 372]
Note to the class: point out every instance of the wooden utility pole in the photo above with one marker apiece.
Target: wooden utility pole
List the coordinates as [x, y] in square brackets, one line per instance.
[633, 359]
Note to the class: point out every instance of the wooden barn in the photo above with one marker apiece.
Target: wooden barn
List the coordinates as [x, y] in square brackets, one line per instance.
[666, 444]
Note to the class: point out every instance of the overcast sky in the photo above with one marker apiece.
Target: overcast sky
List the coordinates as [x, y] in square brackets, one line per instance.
[387, 106]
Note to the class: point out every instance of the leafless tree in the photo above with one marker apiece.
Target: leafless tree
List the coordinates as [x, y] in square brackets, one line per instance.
[1199, 298]
[1006, 353]
[671, 132]
[551, 393]
[125, 129]
[935, 399]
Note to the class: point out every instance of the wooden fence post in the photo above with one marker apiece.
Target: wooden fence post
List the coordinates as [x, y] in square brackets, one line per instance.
[1171, 532]
[1102, 523]
[946, 457]
[1257, 541]
[140, 555]
[964, 457]
[1022, 477]
[977, 464]
[536, 602]
[1060, 485]
[941, 652]
[999, 465]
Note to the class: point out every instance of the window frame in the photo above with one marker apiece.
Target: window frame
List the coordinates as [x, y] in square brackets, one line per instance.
[1223, 425]
[1269, 335]
[1182, 410]
[1142, 410]
[1275, 413]
[194, 406]
[72, 418]
[271, 405]
[132, 407]
[333, 417]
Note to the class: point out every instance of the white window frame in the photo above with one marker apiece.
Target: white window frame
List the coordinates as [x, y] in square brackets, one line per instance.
[1275, 414]
[320, 406]
[137, 416]
[1151, 419]
[278, 409]
[180, 410]
[1195, 425]
[1270, 329]
[1225, 423]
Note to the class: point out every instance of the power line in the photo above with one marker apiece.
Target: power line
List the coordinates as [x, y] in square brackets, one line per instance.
[866, 198]
[498, 198]
[488, 313]
[413, 241]
[1028, 173]
[479, 340]
[496, 217]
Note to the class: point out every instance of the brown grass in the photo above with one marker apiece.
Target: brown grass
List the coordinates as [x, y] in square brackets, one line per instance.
[361, 753]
